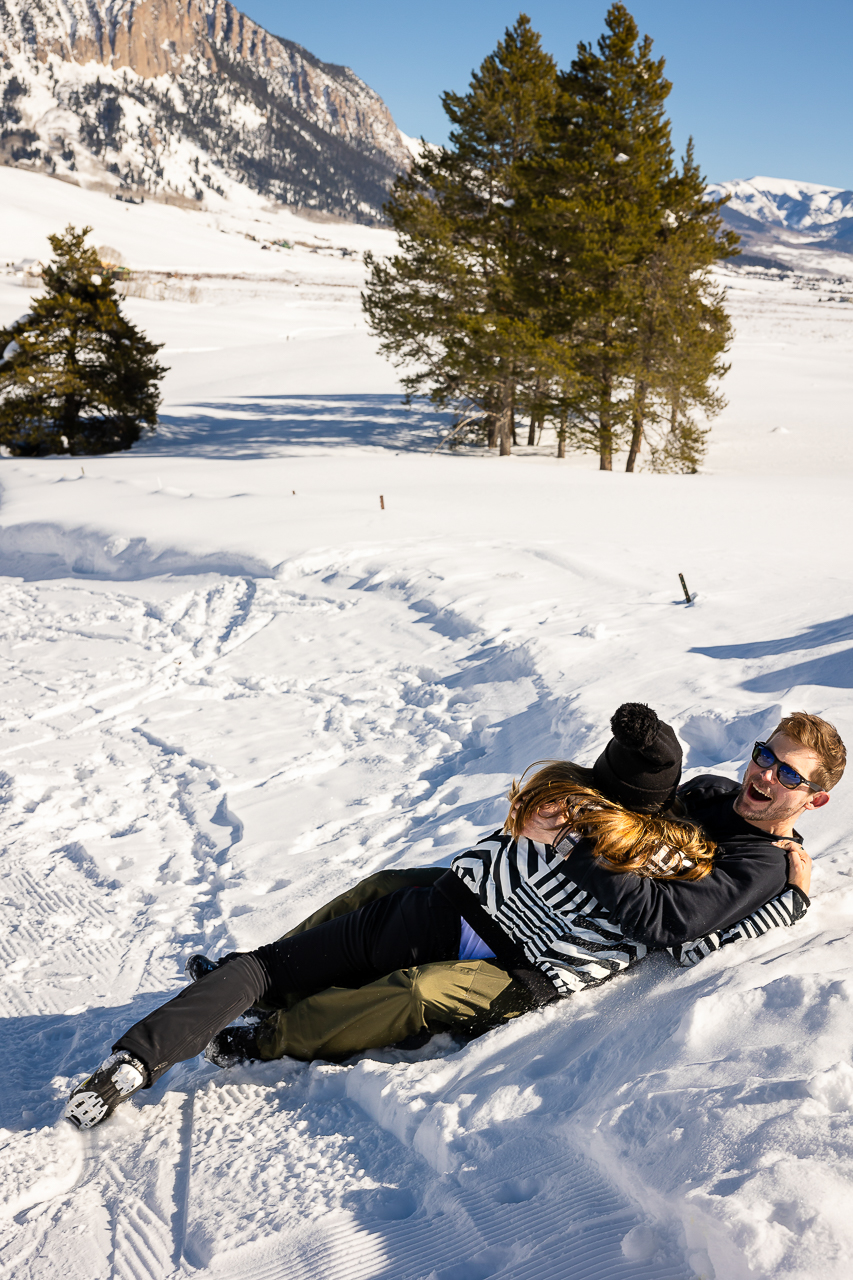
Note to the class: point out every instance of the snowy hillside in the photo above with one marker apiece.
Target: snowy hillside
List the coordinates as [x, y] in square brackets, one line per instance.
[782, 202]
[233, 686]
[797, 226]
[189, 102]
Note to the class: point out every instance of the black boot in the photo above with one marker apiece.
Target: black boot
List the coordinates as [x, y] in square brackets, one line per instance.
[116, 1080]
[232, 1046]
[197, 966]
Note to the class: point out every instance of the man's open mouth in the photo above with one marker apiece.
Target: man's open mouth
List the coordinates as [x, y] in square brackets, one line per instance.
[756, 795]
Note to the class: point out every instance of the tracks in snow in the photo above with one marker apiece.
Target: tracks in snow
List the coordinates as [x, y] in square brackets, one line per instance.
[191, 767]
[557, 1219]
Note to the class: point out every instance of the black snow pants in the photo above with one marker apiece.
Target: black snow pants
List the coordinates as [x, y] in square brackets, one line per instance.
[413, 926]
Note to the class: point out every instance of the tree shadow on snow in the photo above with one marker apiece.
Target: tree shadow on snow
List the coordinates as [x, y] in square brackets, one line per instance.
[272, 426]
[813, 637]
[834, 671]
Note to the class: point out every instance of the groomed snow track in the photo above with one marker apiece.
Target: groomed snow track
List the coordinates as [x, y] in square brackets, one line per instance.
[483, 1235]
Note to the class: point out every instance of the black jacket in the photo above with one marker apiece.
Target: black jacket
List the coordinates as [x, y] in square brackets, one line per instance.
[748, 871]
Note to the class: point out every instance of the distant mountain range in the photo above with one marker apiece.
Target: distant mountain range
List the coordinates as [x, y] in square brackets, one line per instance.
[797, 223]
[189, 100]
[182, 98]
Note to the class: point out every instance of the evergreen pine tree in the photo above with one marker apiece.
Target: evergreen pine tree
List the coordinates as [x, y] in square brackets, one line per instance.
[682, 327]
[455, 302]
[76, 376]
[624, 246]
[613, 162]
[554, 260]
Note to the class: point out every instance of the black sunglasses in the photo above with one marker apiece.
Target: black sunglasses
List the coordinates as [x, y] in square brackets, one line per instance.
[765, 759]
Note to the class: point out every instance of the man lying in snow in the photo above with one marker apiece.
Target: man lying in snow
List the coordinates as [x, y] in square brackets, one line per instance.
[474, 994]
[594, 868]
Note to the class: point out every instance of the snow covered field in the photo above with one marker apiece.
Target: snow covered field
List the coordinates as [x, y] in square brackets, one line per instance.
[233, 686]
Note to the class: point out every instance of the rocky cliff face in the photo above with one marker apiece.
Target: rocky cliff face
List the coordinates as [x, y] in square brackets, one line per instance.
[188, 97]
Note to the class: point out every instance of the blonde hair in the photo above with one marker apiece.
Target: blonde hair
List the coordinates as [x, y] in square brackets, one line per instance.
[664, 846]
[823, 739]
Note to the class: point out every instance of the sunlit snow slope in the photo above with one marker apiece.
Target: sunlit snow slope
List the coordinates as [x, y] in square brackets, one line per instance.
[233, 685]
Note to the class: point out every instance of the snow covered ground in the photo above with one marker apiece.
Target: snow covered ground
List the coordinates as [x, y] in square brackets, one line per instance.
[233, 685]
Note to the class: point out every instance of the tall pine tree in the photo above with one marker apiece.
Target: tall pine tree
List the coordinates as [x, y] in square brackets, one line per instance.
[456, 301]
[611, 166]
[682, 327]
[554, 259]
[76, 376]
[625, 243]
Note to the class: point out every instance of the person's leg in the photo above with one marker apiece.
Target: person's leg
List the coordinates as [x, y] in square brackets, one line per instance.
[408, 927]
[172, 1033]
[378, 885]
[181, 1028]
[468, 996]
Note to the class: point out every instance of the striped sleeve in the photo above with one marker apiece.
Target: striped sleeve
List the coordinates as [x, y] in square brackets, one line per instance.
[784, 910]
[474, 865]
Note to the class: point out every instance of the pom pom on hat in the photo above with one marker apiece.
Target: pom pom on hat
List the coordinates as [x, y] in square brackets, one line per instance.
[640, 767]
[634, 725]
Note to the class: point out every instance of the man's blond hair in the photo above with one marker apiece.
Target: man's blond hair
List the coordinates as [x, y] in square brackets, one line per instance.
[823, 739]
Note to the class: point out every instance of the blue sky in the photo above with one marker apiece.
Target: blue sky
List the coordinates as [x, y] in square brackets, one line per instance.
[764, 86]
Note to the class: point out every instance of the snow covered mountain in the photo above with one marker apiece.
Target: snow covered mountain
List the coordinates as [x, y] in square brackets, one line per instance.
[782, 202]
[774, 212]
[188, 99]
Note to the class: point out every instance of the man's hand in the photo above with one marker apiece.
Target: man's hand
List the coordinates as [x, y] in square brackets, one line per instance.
[799, 864]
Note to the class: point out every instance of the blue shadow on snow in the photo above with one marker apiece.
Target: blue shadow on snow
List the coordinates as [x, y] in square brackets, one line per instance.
[834, 671]
[270, 426]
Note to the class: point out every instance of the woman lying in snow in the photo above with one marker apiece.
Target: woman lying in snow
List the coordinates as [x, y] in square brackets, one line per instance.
[529, 915]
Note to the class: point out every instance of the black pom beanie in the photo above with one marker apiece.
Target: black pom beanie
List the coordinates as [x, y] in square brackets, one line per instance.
[640, 767]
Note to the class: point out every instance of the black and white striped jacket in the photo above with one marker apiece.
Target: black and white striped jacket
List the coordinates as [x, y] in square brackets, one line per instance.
[785, 909]
[527, 889]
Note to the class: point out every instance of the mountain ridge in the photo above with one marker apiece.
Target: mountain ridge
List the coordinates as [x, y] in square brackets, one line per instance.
[189, 100]
[786, 212]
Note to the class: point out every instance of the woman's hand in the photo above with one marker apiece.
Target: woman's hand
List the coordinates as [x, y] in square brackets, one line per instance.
[545, 824]
[799, 864]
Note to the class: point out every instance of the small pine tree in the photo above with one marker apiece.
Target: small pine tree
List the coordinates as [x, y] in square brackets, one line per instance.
[76, 376]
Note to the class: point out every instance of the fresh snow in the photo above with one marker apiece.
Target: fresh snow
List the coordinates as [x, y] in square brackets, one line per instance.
[234, 686]
[156, 236]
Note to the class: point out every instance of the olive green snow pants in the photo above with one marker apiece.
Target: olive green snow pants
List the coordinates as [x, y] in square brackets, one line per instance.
[469, 995]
